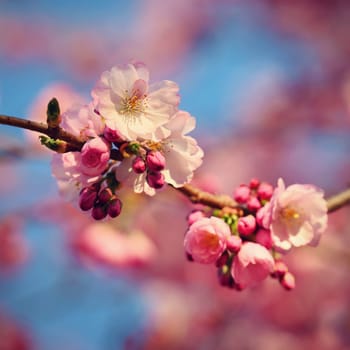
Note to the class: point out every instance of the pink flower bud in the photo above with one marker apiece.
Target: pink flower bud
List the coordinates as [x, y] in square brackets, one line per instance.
[246, 225]
[234, 243]
[254, 183]
[265, 191]
[263, 237]
[87, 198]
[105, 195]
[288, 281]
[114, 208]
[138, 165]
[155, 179]
[241, 194]
[280, 269]
[98, 212]
[253, 204]
[194, 216]
[94, 156]
[112, 135]
[155, 161]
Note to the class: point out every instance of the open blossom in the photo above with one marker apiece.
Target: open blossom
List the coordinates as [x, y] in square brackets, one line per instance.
[130, 105]
[181, 153]
[251, 265]
[206, 239]
[70, 179]
[297, 216]
[94, 156]
[82, 121]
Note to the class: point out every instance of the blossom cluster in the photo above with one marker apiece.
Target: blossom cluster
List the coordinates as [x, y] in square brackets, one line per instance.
[134, 135]
[247, 243]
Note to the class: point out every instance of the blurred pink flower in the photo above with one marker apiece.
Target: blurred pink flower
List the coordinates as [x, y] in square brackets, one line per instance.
[94, 156]
[130, 105]
[251, 265]
[206, 239]
[105, 244]
[297, 216]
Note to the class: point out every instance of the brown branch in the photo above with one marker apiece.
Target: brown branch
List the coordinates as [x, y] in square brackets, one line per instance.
[194, 194]
[338, 200]
[56, 133]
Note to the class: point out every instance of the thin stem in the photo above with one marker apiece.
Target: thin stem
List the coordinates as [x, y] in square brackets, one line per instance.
[56, 133]
[194, 194]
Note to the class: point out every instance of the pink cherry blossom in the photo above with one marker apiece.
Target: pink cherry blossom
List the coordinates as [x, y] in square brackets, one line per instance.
[70, 179]
[206, 238]
[297, 215]
[94, 156]
[251, 265]
[130, 105]
[182, 156]
[83, 121]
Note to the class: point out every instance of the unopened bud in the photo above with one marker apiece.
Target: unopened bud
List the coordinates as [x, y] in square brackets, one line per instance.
[105, 195]
[241, 194]
[253, 204]
[265, 191]
[98, 212]
[246, 225]
[139, 165]
[155, 161]
[254, 183]
[280, 269]
[87, 198]
[194, 216]
[288, 281]
[114, 208]
[234, 243]
[53, 114]
[155, 179]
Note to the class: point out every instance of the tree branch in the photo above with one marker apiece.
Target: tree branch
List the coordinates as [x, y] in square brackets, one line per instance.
[56, 133]
[194, 194]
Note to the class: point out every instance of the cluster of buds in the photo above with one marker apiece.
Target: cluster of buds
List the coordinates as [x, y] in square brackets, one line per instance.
[245, 243]
[152, 163]
[101, 201]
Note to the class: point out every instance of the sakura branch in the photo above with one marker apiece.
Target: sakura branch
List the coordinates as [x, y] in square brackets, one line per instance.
[132, 134]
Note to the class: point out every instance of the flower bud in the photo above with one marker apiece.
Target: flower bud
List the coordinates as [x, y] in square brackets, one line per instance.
[105, 195]
[288, 281]
[112, 135]
[265, 191]
[87, 198]
[194, 216]
[241, 194]
[280, 269]
[98, 212]
[253, 204]
[155, 161]
[234, 243]
[155, 179]
[263, 237]
[246, 225]
[254, 183]
[138, 165]
[114, 208]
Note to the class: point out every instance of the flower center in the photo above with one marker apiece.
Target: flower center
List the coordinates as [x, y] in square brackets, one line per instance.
[132, 105]
[210, 240]
[291, 217]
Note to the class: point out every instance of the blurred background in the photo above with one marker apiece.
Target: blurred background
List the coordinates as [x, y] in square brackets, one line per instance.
[269, 84]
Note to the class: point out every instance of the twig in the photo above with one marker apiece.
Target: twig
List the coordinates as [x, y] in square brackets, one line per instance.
[194, 194]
